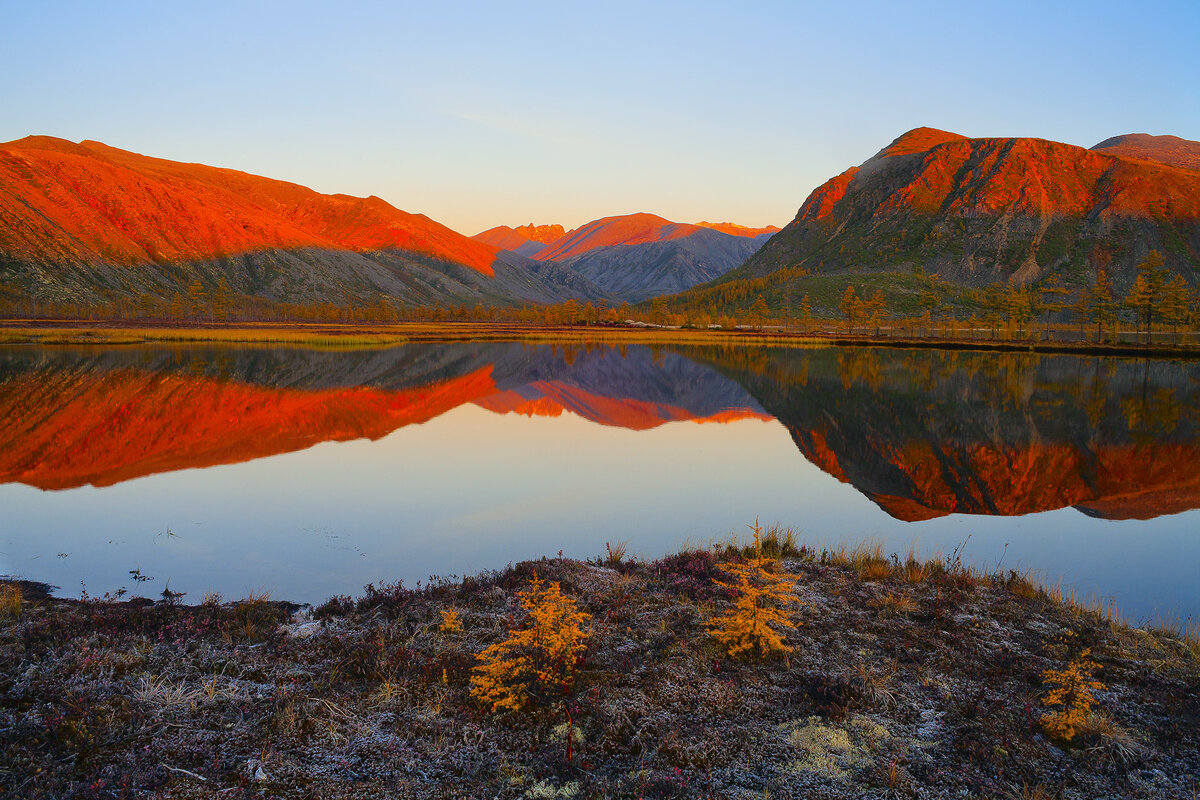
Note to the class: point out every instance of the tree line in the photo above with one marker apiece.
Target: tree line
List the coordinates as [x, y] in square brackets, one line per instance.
[1156, 299]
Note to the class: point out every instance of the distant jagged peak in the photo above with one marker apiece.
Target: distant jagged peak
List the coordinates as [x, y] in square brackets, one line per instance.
[1171, 150]
[733, 229]
[527, 240]
[918, 140]
[541, 233]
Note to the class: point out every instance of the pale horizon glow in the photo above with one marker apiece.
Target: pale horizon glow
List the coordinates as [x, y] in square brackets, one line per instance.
[479, 114]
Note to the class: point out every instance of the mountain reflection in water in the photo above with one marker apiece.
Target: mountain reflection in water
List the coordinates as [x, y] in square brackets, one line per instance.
[922, 434]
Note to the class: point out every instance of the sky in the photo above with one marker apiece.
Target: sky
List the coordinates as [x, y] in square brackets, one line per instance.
[483, 114]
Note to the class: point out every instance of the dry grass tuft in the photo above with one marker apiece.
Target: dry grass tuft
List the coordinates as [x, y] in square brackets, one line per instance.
[10, 601]
[892, 603]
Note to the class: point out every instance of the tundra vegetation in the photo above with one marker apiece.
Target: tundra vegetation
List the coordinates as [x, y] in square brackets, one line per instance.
[615, 677]
[1158, 307]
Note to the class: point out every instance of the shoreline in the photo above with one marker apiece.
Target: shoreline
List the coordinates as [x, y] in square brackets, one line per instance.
[904, 678]
[347, 335]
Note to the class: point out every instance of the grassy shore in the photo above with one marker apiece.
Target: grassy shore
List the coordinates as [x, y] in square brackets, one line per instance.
[905, 679]
[350, 335]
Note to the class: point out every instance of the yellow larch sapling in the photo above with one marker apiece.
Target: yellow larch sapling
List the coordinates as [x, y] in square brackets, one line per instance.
[537, 664]
[762, 607]
[1071, 696]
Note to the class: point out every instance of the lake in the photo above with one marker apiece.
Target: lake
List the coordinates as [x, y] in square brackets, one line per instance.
[312, 473]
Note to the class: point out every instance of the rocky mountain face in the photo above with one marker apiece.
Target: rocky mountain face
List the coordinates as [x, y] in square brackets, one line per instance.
[527, 240]
[638, 256]
[999, 210]
[87, 222]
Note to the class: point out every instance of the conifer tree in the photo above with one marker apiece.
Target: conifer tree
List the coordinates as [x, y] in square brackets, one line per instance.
[760, 609]
[1147, 289]
[538, 662]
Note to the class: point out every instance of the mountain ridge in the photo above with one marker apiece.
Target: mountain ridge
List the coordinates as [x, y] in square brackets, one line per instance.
[994, 210]
[89, 223]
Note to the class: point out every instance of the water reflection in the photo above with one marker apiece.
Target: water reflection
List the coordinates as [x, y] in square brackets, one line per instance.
[326, 470]
[929, 433]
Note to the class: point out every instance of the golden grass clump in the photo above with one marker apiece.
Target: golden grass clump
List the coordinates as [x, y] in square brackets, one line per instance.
[538, 661]
[10, 601]
[892, 603]
[761, 608]
[1071, 696]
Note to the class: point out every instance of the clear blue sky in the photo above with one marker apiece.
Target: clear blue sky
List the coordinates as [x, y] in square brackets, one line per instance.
[480, 114]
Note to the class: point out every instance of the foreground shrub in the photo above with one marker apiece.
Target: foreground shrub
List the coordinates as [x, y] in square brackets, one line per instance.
[760, 608]
[537, 664]
[1070, 696]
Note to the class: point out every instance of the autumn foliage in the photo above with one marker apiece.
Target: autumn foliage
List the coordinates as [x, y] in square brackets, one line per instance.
[752, 625]
[538, 662]
[1071, 696]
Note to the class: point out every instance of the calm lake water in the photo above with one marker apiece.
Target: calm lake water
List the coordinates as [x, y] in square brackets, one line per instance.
[310, 473]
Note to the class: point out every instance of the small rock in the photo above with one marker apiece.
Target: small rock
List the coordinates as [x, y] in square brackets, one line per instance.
[257, 773]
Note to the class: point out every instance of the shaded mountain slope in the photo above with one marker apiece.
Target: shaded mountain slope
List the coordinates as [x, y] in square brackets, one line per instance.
[635, 272]
[638, 256]
[982, 211]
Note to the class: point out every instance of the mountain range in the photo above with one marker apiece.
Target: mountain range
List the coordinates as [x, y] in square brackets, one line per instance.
[87, 223]
[636, 256]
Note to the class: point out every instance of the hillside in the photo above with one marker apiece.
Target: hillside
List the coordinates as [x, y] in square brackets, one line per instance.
[1165, 149]
[996, 210]
[88, 222]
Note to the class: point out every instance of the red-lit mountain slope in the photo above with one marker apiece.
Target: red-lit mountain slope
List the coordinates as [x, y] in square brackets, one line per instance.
[733, 229]
[90, 223]
[626, 229]
[92, 202]
[1165, 149]
[980, 211]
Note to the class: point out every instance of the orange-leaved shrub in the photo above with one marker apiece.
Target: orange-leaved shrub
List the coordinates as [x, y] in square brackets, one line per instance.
[762, 606]
[538, 662]
[451, 622]
[1071, 696]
